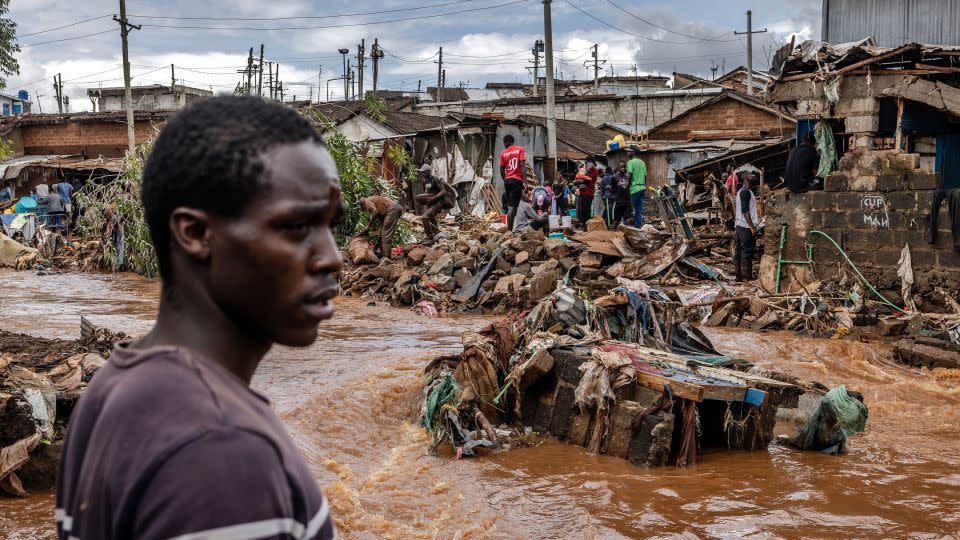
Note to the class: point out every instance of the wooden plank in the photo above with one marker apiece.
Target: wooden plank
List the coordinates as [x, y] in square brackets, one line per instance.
[944, 69]
[724, 392]
[899, 133]
[910, 47]
[681, 389]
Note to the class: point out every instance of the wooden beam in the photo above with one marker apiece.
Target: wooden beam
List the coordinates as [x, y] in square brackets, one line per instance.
[910, 47]
[681, 389]
[934, 70]
[899, 135]
[942, 69]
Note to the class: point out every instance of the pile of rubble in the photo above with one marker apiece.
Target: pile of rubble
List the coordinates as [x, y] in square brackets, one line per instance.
[40, 382]
[478, 266]
[611, 379]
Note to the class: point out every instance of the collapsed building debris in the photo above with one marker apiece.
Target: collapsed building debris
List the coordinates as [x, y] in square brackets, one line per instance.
[40, 382]
[656, 394]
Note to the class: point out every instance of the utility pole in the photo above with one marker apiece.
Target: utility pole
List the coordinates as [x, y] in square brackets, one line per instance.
[249, 71]
[278, 83]
[750, 32]
[596, 67]
[550, 164]
[58, 91]
[346, 74]
[270, 79]
[361, 49]
[636, 112]
[260, 74]
[440, 77]
[537, 49]
[376, 54]
[320, 84]
[127, 94]
[173, 85]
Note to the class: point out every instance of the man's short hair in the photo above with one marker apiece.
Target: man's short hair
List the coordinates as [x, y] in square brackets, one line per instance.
[810, 138]
[208, 157]
[507, 141]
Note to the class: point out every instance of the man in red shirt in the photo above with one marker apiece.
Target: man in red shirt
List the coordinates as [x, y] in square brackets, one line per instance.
[512, 166]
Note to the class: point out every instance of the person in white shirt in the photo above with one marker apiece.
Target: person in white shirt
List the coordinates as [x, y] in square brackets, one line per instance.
[746, 223]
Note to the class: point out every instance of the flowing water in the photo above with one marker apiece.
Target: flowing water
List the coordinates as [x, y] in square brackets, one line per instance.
[350, 402]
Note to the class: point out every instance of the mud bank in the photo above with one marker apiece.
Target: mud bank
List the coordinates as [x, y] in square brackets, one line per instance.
[350, 402]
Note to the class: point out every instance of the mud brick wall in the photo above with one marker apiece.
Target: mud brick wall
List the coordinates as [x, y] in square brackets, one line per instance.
[871, 214]
[727, 114]
[91, 140]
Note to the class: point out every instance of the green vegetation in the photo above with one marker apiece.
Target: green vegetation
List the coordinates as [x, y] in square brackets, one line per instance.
[8, 45]
[116, 206]
[375, 106]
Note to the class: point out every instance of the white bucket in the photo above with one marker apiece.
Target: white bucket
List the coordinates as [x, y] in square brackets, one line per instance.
[567, 222]
[554, 222]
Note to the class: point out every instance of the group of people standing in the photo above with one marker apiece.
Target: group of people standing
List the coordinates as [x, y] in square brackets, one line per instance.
[56, 200]
[615, 194]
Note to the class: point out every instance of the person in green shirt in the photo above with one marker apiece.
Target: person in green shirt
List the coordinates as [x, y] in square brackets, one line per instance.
[637, 170]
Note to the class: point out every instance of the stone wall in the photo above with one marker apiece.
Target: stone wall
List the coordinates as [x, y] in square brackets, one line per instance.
[877, 202]
[650, 110]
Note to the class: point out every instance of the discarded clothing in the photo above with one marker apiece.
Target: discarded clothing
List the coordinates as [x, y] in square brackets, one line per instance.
[952, 197]
[838, 416]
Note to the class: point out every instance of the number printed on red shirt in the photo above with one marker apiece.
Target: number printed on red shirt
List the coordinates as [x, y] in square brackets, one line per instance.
[512, 160]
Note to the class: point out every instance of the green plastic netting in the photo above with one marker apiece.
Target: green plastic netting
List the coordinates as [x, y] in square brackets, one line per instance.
[851, 417]
[446, 391]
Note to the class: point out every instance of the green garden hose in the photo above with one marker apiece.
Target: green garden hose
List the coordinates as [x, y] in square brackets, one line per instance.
[857, 270]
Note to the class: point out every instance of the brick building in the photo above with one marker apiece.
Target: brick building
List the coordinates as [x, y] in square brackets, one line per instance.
[730, 115]
[85, 134]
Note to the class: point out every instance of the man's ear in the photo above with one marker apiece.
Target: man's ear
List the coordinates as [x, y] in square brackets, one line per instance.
[190, 230]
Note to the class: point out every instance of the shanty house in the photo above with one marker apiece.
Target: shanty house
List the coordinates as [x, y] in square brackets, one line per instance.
[894, 118]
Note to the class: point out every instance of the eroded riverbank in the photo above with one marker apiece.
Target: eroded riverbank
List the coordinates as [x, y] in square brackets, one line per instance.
[349, 401]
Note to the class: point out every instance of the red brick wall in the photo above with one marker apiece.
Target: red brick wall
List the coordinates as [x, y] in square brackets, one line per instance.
[89, 139]
[726, 114]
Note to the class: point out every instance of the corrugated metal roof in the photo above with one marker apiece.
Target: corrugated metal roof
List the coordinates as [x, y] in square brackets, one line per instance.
[10, 168]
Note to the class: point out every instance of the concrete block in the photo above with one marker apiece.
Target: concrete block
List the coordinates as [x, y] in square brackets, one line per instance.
[888, 256]
[857, 107]
[836, 182]
[928, 163]
[562, 411]
[580, 424]
[651, 446]
[811, 107]
[863, 183]
[848, 201]
[823, 200]
[568, 365]
[923, 180]
[948, 259]
[902, 200]
[891, 182]
[838, 220]
[541, 420]
[862, 124]
[922, 257]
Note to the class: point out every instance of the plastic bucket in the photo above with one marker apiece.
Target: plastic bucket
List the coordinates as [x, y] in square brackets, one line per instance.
[554, 222]
[567, 222]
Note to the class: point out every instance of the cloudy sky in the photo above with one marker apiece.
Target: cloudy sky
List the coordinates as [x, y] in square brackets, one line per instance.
[482, 40]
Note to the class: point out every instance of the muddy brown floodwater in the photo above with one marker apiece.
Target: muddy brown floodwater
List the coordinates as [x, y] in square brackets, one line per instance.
[350, 402]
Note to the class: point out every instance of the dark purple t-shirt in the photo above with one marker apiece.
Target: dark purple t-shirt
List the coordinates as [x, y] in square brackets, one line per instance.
[167, 444]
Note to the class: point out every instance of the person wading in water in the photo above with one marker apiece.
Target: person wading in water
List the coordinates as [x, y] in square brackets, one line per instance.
[169, 441]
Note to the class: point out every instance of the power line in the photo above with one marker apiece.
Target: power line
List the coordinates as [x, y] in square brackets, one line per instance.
[664, 27]
[66, 39]
[301, 17]
[345, 25]
[605, 23]
[64, 26]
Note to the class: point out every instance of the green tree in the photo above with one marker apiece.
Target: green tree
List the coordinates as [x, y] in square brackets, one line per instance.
[8, 45]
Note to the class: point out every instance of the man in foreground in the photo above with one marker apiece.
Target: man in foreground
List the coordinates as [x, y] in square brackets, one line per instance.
[169, 441]
[637, 170]
[747, 222]
[513, 162]
[386, 212]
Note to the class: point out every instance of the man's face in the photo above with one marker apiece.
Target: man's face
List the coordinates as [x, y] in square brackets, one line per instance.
[273, 267]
